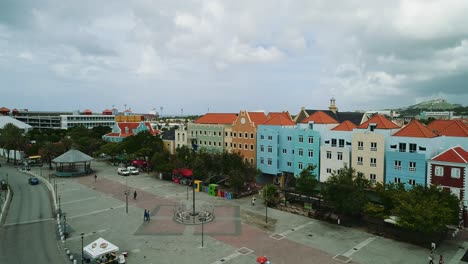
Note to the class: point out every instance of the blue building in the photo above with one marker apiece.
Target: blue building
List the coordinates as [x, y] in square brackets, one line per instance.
[409, 150]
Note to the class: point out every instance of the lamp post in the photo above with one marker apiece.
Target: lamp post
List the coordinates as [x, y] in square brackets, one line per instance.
[266, 214]
[82, 237]
[127, 192]
[60, 208]
[202, 219]
[7, 178]
[65, 225]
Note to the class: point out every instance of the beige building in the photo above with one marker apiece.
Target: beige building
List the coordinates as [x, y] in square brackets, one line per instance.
[368, 147]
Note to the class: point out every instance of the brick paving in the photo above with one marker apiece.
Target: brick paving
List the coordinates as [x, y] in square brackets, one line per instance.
[226, 227]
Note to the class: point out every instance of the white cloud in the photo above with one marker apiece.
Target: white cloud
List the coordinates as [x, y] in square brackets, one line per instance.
[26, 55]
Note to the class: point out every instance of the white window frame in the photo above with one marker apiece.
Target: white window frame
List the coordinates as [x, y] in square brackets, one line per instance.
[439, 171]
[300, 165]
[329, 154]
[301, 152]
[339, 155]
[269, 162]
[301, 139]
[311, 153]
[311, 140]
[360, 145]
[373, 146]
[360, 160]
[412, 166]
[397, 165]
[373, 162]
[270, 149]
[455, 173]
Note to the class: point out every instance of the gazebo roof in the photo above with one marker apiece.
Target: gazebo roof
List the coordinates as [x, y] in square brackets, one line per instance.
[72, 156]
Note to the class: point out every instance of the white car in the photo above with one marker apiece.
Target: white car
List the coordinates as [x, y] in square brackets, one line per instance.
[123, 171]
[133, 170]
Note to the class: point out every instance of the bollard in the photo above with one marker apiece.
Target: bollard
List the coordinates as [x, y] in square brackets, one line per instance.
[62, 238]
[68, 252]
[74, 261]
[71, 257]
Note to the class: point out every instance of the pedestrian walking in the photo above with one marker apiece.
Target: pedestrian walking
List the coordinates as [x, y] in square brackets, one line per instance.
[145, 216]
[148, 215]
[441, 259]
[431, 259]
[433, 246]
[253, 201]
[95, 178]
[134, 195]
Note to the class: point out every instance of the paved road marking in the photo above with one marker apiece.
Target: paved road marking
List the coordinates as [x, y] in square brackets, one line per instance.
[98, 211]
[364, 243]
[156, 186]
[29, 222]
[81, 200]
[285, 233]
[223, 260]
[72, 190]
[86, 234]
[175, 194]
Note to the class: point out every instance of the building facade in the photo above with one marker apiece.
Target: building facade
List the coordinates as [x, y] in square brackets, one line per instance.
[410, 148]
[244, 134]
[369, 145]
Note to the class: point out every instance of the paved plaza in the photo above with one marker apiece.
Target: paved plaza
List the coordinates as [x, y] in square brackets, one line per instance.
[237, 234]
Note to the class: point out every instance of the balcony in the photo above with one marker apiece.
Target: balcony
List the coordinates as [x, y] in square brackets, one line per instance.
[373, 165]
[359, 163]
[397, 167]
[373, 149]
[360, 148]
[412, 169]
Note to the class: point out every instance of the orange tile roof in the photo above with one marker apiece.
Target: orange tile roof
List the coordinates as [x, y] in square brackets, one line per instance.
[456, 154]
[257, 118]
[4, 109]
[87, 111]
[453, 128]
[380, 121]
[438, 125]
[217, 118]
[320, 117]
[345, 126]
[279, 119]
[415, 129]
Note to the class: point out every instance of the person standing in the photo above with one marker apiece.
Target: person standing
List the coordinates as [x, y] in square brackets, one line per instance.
[431, 259]
[145, 216]
[441, 259]
[148, 215]
[95, 177]
[134, 195]
[253, 201]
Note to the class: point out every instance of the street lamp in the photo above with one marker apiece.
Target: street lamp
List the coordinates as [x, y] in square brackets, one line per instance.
[266, 214]
[82, 236]
[202, 219]
[60, 208]
[127, 192]
[65, 225]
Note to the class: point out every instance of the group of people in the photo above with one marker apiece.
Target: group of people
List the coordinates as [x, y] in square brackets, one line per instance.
[431, 256]
[146, 216]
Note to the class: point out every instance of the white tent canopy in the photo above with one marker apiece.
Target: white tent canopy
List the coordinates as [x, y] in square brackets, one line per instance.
[99, 247]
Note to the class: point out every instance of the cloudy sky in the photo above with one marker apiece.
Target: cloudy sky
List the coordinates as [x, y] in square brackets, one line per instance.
[223, 56]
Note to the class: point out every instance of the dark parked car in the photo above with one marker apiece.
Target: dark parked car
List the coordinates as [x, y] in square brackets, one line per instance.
[33, 181]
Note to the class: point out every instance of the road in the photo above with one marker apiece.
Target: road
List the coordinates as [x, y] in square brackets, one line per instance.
[28, 234]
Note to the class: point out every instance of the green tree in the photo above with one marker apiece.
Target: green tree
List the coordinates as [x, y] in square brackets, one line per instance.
[12, 138]
[307, 181]
[270, 195]
[50, 150]
[426, 209]
[347, 191]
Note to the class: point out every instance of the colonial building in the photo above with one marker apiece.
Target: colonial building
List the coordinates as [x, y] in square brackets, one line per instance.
[335, 153]
[275, 147]
[355, 117]
[369, 146]
[449, 170]
[244, 134]
[209, 130]
[409, 150]
[122, 130]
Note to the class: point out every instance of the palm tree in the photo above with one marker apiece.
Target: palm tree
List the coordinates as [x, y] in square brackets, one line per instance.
[12, 138]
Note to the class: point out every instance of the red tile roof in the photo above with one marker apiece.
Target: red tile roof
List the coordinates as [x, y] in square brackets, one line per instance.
[320, 117]
[131, 126]
[217, 118]
[279, 119]
[87, 111]
[107, 111]
[438, 125]
[258, 118]
[4, 109]
[380, 121]
[345, 126]
[456, 155]
[450, 128]
[415, 129]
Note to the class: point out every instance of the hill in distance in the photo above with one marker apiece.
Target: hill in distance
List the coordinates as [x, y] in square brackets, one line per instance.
[436, 104]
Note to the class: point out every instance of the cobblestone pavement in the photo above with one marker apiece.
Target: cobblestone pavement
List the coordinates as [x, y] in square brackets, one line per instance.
[236, 235]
